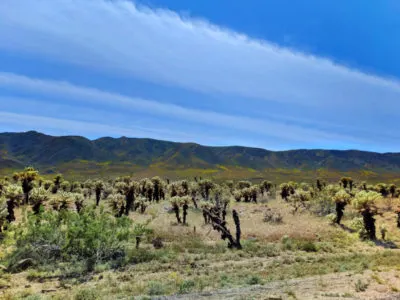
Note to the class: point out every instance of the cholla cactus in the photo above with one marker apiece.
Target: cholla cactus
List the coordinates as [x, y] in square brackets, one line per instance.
[365, 203]
[57, 181]
[341, 199]
[305, 186]
[299, 200]
[173, 189]
[206, 207]
[3, 185]
[128, 189]
[47, 184]
[158, 186]
[230, 185]
[13, 194]
[332, 189]
[117, 204]
[26, 178]
[206, 186]
[76, 187]
[254, 193]
[243, 184]
[87, 193]
[194, 190]
[184, 188]
[222, 198]
[107, 191]
[266, 186]
[139, 231]
[79, 200]
[184, 202]
[319, 184]
[383, 230]
[382, 188]
[65, 186]
[366, 200]
[238, 195]
[246, 193]
[38, 196]
[149, 190]
[392, 190]
[3, 212]
[347, 182]
[176, 202]
[141, 204]
[62, 201]
[285, 191]
[98, 188]
[397, 212]
[146, 188]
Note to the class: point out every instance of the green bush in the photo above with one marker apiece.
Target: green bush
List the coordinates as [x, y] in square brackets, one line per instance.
[137, 256]
[86, 294]
[253, 280]
[307, 246]
[66, 236]
[156, 288]
[322, 204]
[292, 245]
[186, 286]
[33, 297]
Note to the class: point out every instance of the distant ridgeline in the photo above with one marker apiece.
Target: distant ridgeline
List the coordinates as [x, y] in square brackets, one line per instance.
[78, 156]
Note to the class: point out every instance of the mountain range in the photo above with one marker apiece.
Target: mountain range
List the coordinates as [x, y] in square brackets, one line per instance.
[80, 156]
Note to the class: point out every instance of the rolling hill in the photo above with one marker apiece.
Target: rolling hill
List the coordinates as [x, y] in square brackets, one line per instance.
[81, 156]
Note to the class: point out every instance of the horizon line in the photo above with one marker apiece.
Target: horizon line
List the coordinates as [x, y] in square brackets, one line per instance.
[195, 143]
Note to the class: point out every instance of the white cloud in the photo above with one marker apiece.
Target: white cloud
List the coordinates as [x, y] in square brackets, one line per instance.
[70, 126]
[60, 90]
[162, 47]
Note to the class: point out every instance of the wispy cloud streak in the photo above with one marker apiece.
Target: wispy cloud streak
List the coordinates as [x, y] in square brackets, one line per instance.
[84, 94]
[71, 126]
[163, 47]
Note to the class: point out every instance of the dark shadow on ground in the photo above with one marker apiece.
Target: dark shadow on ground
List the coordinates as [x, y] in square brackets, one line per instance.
[386, 244]
[348, 229]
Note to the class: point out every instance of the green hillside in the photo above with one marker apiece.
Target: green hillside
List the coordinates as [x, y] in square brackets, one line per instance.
[78, 156]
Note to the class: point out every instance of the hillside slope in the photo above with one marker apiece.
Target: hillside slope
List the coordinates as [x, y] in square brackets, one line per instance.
[47, 152]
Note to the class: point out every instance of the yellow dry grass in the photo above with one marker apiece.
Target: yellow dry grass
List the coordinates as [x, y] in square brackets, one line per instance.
[196, 254]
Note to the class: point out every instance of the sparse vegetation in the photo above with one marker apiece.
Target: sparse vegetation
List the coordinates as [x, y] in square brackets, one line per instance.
[174, 237]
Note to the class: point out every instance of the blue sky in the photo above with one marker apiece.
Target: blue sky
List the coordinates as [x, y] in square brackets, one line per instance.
[271, 74]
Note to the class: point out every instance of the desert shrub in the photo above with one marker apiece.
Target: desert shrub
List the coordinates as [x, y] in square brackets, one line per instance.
[361, 286]
[253, 280]
[86, 294]
[331, 217]
[156, 288]
[137, 256]
[322, 204]
[186, 286]
[33, 297]
[287, 243]
[291, 244]
[306, 246]
[299, 201]
[357, 224]
[272, 216]
[157, 243]
[67, 236]
[383, 229]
